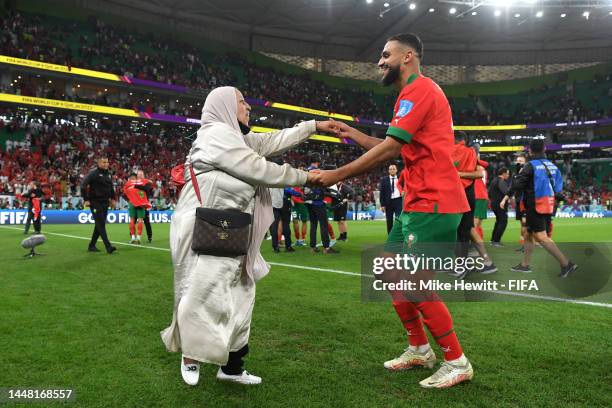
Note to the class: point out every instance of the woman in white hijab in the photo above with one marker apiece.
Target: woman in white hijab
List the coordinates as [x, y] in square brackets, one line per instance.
[214, 296]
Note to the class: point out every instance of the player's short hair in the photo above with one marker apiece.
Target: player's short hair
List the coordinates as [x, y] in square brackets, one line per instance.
[537, 146]
[502, 171]
[460, 136]
[410, 40]
[132, 174]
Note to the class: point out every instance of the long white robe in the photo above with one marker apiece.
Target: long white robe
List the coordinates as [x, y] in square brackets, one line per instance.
[214, 296]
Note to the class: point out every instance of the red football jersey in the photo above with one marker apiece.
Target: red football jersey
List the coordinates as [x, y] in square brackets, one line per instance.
[422, 120]
[464, 159]
[296, 199]
[480, 185]
[136, 197]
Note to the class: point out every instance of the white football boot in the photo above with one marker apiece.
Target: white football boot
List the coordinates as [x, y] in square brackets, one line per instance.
[412, 358]
[450, 374]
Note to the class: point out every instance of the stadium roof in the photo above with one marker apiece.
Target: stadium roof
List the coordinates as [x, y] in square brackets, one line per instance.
[478, 32]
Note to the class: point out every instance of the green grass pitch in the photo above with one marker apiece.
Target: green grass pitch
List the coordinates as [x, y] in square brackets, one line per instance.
[91, 322]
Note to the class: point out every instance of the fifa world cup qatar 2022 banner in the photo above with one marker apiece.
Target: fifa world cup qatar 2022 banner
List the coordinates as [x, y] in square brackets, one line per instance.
[18, 217]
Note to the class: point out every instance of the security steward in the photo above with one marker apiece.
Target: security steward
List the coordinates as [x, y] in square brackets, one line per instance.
[97, 190]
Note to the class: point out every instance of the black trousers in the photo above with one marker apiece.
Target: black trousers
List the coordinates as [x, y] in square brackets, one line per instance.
[147, 223]
[318, 216]
[501, 221]
[31, 219]
[392, 211]
[465, 226]
[235, 363]
[282, 215]
[99, 209]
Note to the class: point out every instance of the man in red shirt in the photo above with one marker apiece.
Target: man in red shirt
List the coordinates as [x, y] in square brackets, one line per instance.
[422, 132]
[137, 204]
[466, 160]
[299, 213]
[482, 198]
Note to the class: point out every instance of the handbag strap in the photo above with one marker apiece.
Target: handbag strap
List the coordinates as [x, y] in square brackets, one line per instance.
[196, 187]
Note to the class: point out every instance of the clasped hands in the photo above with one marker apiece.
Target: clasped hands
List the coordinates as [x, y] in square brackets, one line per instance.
[325, 178]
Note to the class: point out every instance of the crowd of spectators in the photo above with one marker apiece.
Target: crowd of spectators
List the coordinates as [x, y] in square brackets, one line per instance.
[97, 45]
[58, 156]
[59, 153]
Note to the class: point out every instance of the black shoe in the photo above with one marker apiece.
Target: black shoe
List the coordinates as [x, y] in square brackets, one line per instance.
[93, 249]
[315, 250]
[330, 250]
[496, 244]
[25, 232]
[276, 250]
[521, 268]
[488, 269]
[111, 249]
[461, 275]
[290, 249]
[565, 271]
[150, 239]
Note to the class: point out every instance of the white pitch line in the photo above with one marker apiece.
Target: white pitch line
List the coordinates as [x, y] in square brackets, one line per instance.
[311, 268]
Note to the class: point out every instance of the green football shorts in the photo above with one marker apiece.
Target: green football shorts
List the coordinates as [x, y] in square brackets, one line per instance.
[136, 212]
[300, 212]
[480, 211]
[412, 228]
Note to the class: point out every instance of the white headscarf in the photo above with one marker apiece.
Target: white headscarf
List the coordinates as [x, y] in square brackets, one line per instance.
[221, 106]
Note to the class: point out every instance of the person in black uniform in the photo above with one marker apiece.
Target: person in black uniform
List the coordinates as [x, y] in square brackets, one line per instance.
[316, 212]
[521, 159]
[97, 190]
[32, 194]
[537, 222]
[497, 190]
[341, 208]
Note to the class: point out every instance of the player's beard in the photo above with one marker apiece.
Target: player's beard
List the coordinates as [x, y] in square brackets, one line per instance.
[392, 75]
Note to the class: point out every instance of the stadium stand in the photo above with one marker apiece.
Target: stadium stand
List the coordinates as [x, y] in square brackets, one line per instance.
[97, 45]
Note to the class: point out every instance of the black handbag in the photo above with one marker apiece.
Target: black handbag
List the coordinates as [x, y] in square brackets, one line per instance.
[219, 232]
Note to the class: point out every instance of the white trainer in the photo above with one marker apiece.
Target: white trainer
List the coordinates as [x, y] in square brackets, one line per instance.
[190, 372]
[411, 358]
[449, 375]
[244, 378]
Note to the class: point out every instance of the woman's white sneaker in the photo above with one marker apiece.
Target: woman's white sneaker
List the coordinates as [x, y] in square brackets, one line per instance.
[244, 378]
[190, 372]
